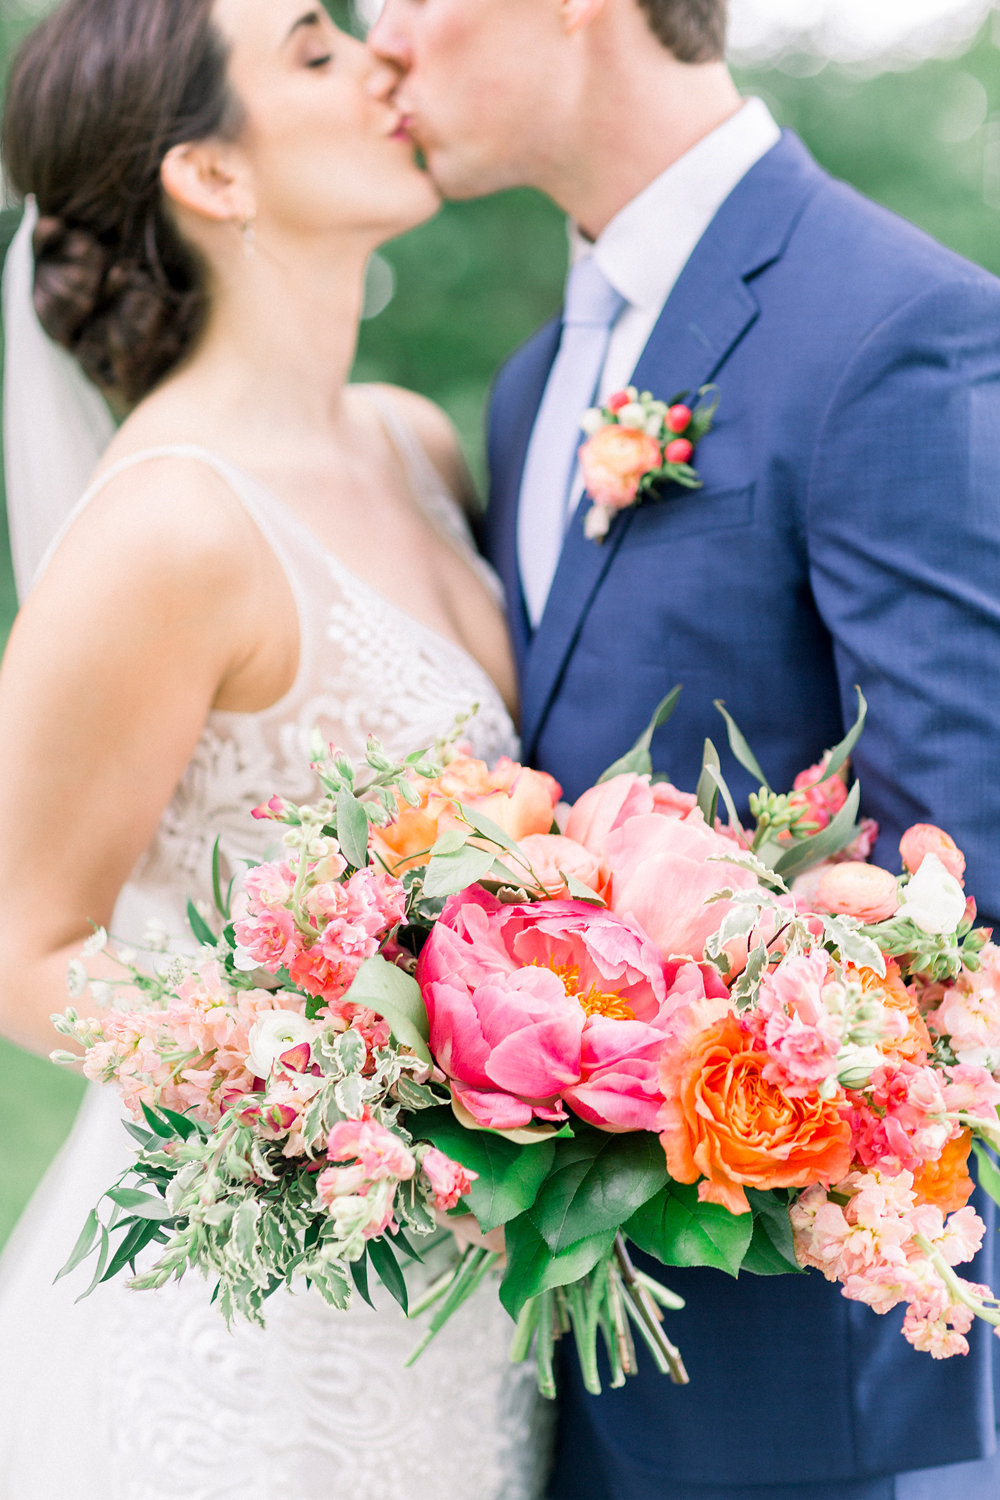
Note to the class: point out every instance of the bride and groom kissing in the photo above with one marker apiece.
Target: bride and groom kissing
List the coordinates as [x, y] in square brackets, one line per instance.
[210, 180]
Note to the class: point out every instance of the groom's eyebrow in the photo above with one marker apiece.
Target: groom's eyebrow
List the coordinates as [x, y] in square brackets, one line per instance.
[311, 18]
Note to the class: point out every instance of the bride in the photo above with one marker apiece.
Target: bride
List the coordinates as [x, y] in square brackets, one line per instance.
[263, 548]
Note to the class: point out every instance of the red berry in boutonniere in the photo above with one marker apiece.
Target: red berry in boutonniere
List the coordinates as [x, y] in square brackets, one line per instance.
[635, 443]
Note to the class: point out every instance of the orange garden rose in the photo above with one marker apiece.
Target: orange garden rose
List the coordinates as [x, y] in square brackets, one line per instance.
[518, 799]
[946, 1183]
[723, 1121]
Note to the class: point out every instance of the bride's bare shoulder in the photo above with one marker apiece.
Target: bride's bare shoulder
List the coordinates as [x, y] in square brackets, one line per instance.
[436, 434]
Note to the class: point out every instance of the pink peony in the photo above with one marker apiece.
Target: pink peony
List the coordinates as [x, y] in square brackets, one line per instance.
[533, 1008]
[553, 857]
[926, 838]
[855, 889]
[663, 872]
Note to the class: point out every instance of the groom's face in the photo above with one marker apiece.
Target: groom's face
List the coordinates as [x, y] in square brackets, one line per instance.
[477, 85]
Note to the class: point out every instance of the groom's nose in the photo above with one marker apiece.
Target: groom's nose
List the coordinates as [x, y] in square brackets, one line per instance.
[389, 38]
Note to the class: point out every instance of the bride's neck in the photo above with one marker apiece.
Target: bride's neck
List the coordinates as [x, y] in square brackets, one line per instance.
[281, 338]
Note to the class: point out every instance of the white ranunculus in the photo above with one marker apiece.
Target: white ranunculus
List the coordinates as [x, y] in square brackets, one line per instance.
[633, 415]
[933, 900]
[593, 420]
[271, 1035]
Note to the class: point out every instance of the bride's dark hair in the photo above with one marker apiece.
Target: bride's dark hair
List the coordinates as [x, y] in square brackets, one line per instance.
[97, 96]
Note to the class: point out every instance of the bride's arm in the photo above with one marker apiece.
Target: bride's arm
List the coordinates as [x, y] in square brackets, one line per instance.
[110, 671]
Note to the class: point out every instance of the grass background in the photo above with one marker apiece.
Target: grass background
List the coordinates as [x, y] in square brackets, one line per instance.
[473, 283]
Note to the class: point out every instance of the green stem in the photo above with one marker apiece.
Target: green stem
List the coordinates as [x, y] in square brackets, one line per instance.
[544, 1346]
[648, 1318]
[524, 1332]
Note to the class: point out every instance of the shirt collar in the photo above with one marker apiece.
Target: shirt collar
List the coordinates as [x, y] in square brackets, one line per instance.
[644, 248]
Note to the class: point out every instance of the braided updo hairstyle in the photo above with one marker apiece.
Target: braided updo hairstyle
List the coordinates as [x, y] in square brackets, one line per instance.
[98, 95]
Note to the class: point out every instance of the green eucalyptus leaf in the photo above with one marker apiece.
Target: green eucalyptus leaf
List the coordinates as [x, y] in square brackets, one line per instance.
[382, 987]
[740, 748]
[138, 1237]
[838, 755]
[447, 874]
[84, 1244]
[359, 1275]
[596, 1182]
[532, 1268]
[352, 828]
[823, 845]
[680, 1231]
[200, 927]
[509, 1176]
[638, 760]
[139, 1204]
[707, 791]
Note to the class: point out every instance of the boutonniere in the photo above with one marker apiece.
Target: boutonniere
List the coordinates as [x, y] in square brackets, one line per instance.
[635, 443]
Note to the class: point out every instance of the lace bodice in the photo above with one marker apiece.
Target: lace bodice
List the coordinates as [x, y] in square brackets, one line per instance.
[153, 1398]
[365, 667]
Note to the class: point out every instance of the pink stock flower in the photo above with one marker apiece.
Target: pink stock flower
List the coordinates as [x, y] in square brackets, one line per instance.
[536, 1007]
[801, 1035]
[855, 889]
[379, 1152]
[449, 1180]
[663, 872]
[969, 1013]
[926, 838]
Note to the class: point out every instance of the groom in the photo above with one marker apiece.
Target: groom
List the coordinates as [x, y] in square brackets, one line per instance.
[848, 531]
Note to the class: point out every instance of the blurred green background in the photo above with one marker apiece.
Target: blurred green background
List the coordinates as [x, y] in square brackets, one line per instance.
[468, 287]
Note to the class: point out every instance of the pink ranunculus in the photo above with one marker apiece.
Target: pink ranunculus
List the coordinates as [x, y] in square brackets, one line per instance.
[926, 838]
[855, 889]
[540, 1006]
[448, 1179]
[663, 872]
[553, 857]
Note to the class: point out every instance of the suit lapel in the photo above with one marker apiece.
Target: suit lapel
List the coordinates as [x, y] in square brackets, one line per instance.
[708, 311]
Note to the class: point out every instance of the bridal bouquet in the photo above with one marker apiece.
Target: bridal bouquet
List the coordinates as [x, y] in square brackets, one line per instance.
[737, 1047]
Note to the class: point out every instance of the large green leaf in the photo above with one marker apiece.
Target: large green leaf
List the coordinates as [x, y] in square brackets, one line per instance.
[509, 1175]
[382, 987]
[447, 874]
[352, 828]
[771, 1251]
[532, 1268]
[597, 1181]
[638, 760]
[680, 1231]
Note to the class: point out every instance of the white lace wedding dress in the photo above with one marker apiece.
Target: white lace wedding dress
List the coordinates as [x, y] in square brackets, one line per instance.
[147, 1396]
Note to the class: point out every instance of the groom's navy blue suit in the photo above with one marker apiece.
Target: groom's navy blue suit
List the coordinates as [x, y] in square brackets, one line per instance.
[848, 532]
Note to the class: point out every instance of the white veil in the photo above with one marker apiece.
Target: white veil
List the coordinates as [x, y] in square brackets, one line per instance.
[56, 424]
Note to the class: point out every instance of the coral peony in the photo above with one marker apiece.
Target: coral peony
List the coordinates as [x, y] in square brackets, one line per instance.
[520, 800]
[855, 889]
[537, 1007]
[724, 1122]
[663, 872]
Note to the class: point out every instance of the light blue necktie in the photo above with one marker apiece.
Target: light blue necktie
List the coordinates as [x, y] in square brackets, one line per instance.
[592, 305]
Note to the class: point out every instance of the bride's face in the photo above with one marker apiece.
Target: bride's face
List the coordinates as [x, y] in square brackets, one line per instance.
[323, 146]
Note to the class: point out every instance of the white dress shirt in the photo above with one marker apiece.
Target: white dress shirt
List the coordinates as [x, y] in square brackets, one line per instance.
[647, 244]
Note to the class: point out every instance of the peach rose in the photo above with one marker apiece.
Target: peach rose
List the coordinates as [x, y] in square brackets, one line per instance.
[552, 856]
[926, 838]
[722, 1122]
[946, 1183]
[614, 461]
[520, 800]
[855, 889]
